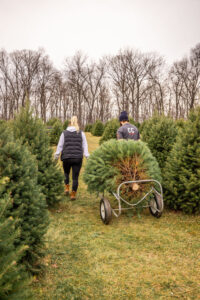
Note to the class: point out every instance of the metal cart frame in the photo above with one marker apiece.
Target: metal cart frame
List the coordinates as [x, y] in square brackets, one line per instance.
[155, 203]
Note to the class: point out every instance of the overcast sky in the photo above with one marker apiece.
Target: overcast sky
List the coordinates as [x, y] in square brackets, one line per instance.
[99, 27]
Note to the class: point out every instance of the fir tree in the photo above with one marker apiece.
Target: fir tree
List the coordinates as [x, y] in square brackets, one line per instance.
[52, 121]
[110, 131]
[132, 121]
[55, 132]
[180, 123]
[117, 161]
[32, 132]
[98, 128]
[182, 169]
[88, 128]
[160, 134]
[65, 124]
[13, 278]
[29, 205]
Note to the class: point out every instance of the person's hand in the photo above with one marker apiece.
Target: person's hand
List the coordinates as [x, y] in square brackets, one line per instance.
[56, 156]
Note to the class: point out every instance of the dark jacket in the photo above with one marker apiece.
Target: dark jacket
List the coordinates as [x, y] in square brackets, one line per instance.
[72, 147]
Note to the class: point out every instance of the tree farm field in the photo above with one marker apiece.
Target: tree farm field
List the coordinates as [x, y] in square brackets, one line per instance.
[131, 258]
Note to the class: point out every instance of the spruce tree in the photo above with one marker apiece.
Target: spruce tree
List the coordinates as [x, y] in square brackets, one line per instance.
[182, 169]
[65, 124]
[52, 121]
[132, 121]
[13, 278]
[110, 131]
[57, 129]
[117, 161]
[32, 132]
[88, 128]
[29, 205]
[160, 134]
[98, 128]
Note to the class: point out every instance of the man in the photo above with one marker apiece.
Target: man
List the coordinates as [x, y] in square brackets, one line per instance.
[127, 131]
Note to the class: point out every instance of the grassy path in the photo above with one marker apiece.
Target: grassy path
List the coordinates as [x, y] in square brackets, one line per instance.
[131, 258]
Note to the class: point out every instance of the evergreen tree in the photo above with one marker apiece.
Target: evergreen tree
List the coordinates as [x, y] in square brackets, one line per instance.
[98, 128]
[13, 278]
[29, 205]
[65, 124]
[160, 134]
[132, 121]
[110, 131]
[52, 121]
[57, 129]
[92, 129]
[182, 169]
[180, 123]
[88, 128]
[32, 132]
[117, 161]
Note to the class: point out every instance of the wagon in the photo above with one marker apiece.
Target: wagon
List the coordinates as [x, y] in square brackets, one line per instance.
[153, 199]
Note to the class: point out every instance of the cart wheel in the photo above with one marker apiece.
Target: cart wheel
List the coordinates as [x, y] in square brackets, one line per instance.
[105, 211]
[156, 205]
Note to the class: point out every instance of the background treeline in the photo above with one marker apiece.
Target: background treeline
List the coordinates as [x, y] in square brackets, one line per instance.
[137, 82]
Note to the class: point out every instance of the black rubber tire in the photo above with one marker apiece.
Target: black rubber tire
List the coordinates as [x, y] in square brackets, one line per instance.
[156, 203]
[105, 211]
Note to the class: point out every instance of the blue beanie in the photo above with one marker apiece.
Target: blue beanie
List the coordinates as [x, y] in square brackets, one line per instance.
[123, 116]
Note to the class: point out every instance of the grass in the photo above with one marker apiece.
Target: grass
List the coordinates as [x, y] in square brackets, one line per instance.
[132, 258]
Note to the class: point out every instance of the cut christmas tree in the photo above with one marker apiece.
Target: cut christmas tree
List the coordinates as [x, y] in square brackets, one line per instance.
[117, 161]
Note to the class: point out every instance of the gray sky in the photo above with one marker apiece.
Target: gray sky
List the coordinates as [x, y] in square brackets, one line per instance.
[99, 27]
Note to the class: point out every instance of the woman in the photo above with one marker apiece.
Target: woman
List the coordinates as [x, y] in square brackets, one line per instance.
[72, 146]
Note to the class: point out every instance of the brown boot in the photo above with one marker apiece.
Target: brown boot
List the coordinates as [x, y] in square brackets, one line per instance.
[73, 195]
[66, 189]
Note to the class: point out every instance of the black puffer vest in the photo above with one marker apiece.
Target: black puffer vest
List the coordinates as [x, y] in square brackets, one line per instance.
[72, 147]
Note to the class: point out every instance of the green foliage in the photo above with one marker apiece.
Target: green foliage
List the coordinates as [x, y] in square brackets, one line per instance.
[32, 132]
[160, 134]
[13, 278]
[132, 121]
[88, 128]
[182, 169]
[180, 123]
[65, 124]
[116, 161]
[52, 121]
[57, 129]
[2, 121]
[142, 125]
[29, 209]
[110, 131]
[98, 128]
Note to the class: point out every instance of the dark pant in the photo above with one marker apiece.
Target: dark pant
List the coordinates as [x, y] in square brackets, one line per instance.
[75, 164]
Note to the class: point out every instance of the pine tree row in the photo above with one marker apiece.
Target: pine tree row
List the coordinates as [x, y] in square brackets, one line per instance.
[176, 146]
[30, 183]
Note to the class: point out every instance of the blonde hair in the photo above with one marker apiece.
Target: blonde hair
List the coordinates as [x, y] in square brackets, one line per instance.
[74, 122]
